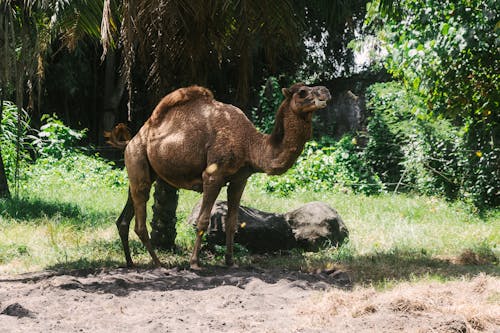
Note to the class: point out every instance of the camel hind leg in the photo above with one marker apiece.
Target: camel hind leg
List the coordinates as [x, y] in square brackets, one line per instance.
[123, 225]
[140, 195]
[140, 179]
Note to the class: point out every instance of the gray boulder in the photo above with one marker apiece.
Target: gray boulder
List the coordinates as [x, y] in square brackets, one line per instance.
[309, 227]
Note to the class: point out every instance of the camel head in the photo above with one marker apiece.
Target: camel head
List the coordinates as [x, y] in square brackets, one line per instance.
[304, 99]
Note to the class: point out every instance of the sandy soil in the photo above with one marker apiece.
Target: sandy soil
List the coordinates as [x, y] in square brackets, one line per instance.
[240, 300]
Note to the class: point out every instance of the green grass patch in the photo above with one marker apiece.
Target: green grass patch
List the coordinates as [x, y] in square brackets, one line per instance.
[62, 221]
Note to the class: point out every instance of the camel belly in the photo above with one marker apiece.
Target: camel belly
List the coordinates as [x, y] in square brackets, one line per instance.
[193, 185]
[180, 159]
[177, 159]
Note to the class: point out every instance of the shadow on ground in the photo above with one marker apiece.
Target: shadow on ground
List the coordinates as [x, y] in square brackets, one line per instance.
[123, 281]
[383, 267]
[23, 209]
[405, 266]
[104, 277]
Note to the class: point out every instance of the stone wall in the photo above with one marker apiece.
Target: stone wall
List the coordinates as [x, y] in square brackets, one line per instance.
[346, 113]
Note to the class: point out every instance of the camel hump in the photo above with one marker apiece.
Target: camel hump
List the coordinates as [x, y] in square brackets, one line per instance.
[119, 136]
[179, 97]
[184, 95]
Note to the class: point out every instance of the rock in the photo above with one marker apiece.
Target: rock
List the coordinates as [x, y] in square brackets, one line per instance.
[453, 325]
[17, 310]
[316, 224]
[309, 227]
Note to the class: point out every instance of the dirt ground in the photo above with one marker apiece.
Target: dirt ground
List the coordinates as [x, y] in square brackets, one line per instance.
[240, 300]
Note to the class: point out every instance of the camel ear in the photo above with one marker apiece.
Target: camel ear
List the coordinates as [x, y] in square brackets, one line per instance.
[286, 92]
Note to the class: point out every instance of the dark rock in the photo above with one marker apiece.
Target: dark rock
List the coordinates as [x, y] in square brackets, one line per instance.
[453, 326]
[309, 227]
[17, 310]
[316, 224]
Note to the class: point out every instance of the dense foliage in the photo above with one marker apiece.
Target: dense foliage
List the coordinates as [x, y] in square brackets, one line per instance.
[54, 139]
[447, 55]
[410, 153]
[448, 51]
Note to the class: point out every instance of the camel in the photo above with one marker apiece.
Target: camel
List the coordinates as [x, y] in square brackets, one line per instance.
[192, 141]
[119, 136]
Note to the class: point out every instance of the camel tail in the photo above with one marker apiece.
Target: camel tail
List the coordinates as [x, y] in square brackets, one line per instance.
[119, 136]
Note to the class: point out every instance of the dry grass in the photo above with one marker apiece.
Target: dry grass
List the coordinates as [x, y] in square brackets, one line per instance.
[466, 305]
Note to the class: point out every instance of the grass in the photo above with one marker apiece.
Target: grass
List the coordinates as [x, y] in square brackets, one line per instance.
[58, 223]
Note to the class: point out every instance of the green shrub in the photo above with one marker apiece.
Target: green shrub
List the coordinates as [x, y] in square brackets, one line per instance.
[56, 139]
[340, 166]
[481, 183]
[433, 160]
[388, 127]
[407, 146]
[89, 172]
[61, 161]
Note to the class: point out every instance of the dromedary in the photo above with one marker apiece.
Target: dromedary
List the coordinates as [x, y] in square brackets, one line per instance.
[194, 142]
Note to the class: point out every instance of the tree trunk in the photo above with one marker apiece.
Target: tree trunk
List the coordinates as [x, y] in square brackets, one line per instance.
[114, 86]
[4, 185]
[163, 231]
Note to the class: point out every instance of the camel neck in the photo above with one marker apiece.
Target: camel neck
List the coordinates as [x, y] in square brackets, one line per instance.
[276, 152]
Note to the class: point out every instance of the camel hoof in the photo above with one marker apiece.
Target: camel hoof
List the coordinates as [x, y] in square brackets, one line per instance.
[195, 267]
[230, 263]
[194, 264]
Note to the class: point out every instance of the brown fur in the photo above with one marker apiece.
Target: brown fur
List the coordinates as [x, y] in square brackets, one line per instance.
[179, 97]
[194, 142]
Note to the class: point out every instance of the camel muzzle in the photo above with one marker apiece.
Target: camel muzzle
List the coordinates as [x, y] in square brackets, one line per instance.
[319, 103]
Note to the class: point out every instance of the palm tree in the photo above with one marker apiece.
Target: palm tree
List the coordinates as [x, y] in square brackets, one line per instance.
[27, 29]
[227, 44]
[23, 39]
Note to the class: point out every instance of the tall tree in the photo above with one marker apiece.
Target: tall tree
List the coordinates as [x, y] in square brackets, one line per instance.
[27, 29]
[24, 34]
[230, 45]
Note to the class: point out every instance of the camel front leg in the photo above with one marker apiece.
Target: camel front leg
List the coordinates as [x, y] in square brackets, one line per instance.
[234, 193]
[211, 189]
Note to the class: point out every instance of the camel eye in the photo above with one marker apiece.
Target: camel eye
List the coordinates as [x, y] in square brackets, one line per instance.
[302, 93]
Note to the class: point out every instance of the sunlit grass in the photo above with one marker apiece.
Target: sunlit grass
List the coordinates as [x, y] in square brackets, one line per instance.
[387, 221]
[69, 225]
